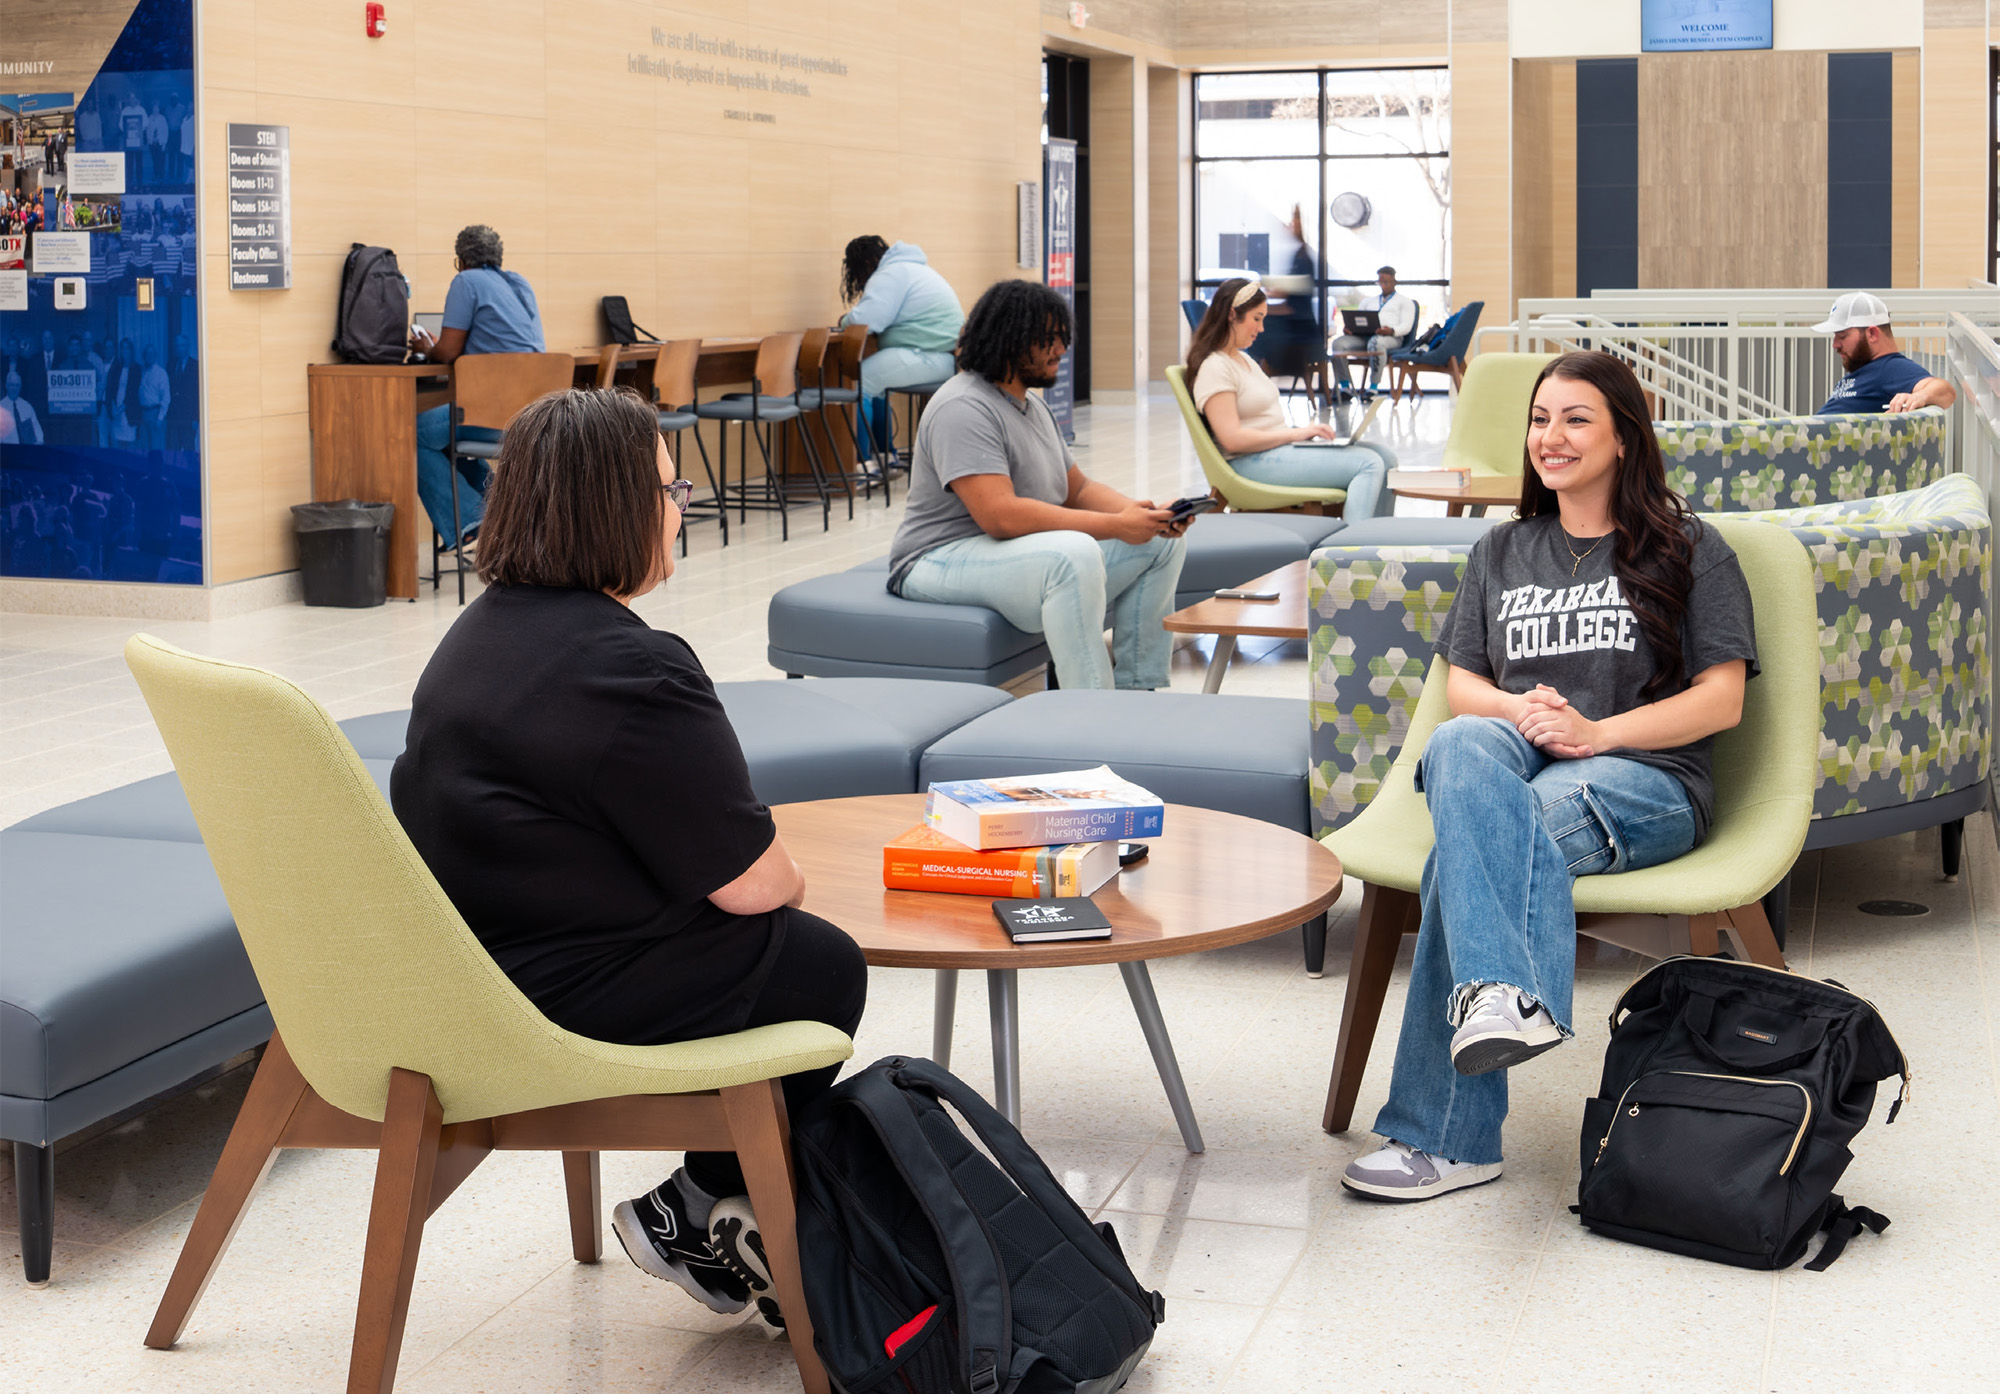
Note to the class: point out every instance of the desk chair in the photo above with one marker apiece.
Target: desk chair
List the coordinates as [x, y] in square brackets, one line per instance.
[847, 348]
[398, 1034]
[1243, 495]
[674, 383]
[811, 368]
[915, 398]
[771, 402]
[1764, 774]
[1195, 310]
[487, 390]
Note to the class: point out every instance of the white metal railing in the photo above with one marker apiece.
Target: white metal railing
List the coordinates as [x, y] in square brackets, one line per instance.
[1728, 354]
[1974, 369]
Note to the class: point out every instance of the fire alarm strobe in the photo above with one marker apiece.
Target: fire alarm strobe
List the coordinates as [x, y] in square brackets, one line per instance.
[378, 21]
[69, 292]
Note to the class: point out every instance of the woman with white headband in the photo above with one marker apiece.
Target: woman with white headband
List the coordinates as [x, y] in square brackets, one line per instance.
[1247, 417]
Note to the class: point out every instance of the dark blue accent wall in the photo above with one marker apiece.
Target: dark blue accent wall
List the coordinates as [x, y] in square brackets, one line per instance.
[1860, 149]
[1607, 174]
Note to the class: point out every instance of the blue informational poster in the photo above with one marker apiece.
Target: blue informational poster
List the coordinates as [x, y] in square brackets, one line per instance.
[1689, 26]
[1059, 264]
[100, 384]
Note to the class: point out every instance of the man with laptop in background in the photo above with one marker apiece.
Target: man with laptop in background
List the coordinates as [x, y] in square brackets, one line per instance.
[1388, 323]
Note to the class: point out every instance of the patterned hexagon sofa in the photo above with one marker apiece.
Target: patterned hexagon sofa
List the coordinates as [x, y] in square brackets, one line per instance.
[1799, 461]
[1906, 677]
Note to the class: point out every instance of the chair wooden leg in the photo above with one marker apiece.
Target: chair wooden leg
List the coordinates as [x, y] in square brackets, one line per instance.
[1753, 927]
[1704, 938]
[403, 1173]
[274, 1094]
[586, 1202]
[758, 1126]
[1386, 915]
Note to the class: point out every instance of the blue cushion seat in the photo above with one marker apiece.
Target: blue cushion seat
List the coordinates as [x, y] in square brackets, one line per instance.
[741, 409]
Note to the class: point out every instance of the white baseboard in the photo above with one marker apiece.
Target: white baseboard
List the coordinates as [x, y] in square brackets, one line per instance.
[121, 600]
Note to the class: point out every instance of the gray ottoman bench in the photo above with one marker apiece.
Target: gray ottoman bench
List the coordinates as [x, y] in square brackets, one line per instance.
[121, 974]
[848, 625]
[1244, 755]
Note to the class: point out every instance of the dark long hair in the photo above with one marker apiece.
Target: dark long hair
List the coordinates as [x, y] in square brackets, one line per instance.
[857, 264]
[576, 499]
[1010, 321]
[1654, 549]
[1212, 334]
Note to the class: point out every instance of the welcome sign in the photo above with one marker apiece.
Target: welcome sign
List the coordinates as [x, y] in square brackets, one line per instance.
[1690, 26]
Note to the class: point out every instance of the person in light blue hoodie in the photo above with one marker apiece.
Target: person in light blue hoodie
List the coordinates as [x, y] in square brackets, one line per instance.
[915, 316]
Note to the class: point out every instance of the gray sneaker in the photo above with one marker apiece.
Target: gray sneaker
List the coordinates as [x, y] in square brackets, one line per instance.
[1403, 1173]
[1503, 1027]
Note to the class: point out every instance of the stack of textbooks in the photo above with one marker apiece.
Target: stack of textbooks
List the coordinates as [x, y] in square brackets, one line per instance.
[1051, 837]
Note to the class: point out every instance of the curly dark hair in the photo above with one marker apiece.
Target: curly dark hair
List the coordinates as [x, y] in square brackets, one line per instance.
[1010, 321]
[478, 245]
[1654, 554]
[857, 264]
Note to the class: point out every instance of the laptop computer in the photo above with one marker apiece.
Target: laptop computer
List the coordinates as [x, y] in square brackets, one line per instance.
[431, 324]
[1352, 437]
[1363, 324]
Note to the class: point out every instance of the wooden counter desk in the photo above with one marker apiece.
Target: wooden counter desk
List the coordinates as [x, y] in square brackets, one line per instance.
[363, 419]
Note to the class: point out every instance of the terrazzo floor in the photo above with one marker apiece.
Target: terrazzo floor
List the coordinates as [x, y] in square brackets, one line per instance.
[1276, 1280]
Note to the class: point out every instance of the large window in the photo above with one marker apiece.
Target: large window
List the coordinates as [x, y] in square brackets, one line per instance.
[1315, 179]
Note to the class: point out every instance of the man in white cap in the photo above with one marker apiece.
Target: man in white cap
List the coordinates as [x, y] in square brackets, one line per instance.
[1879, 377]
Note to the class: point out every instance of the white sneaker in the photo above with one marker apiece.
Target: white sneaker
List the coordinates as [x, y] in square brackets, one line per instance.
[1402, 1173]
[1503, 1027]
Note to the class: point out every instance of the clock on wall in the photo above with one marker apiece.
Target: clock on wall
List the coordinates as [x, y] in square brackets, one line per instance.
[1350, 210]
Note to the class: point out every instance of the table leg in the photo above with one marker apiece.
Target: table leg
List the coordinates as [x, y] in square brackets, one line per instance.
[944, 1010]
[1225, 649]
[1454, 508]
[1139, 984]
[1004, 1006]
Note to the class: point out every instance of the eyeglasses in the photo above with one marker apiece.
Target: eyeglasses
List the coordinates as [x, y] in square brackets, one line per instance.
[680, 491]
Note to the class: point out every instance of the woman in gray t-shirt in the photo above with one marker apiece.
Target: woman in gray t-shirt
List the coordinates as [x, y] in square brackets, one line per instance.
[1597, 644]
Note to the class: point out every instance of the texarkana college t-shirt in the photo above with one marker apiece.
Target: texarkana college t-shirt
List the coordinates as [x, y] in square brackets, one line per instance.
[1528, 612]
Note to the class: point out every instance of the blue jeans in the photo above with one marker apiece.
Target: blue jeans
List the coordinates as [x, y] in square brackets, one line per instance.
[1056, 584]
[1514, 826]
[434, 473]
[1359, 469]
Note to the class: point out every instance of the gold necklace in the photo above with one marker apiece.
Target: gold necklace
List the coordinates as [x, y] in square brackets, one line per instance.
[1576, 559]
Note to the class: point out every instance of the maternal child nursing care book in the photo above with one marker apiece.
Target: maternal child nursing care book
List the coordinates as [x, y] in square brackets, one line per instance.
[1035, 810]
[923, 859]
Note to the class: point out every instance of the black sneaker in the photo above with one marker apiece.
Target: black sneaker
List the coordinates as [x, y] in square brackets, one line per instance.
[733, 1234]
[657, 1235]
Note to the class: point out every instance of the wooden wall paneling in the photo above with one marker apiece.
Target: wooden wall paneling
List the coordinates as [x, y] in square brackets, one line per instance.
[1956, 155]
[306, 48]
[1167, 274]
[1562, 179]
[1111, 250]
[234, 514]
[228, 47]
[1534, 179]
[285, 474]
[1481, 182]
[1732, 169]
[1906, 176]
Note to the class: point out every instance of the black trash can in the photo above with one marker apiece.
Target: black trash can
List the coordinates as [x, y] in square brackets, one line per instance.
[344, 551]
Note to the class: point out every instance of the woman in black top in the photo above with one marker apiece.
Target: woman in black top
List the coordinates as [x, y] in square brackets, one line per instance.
[1596, 646]
[575, 786]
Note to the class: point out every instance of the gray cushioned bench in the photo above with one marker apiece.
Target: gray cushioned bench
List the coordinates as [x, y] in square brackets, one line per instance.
[121, 974]
[846, 624]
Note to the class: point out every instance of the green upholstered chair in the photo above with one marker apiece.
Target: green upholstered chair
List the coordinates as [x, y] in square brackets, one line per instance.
[1764, 774]
[396, 1032]
[1244, 495]
[1490, 419]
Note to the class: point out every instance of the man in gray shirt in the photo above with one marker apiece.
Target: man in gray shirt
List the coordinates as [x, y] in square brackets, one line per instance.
[999, 515]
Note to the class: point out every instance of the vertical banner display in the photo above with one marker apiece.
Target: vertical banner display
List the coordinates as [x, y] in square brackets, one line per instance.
[1059, 264]
[100, 387]
[260, 207]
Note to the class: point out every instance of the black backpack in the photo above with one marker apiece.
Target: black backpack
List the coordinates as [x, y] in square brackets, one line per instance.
[1730, 1094]
[931, 1270]
[374, 323]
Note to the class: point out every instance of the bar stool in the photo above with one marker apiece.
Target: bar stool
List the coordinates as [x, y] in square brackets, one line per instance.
[487, 391]
[918, 395]
[674, 379]
[848, 349]
[770, 403]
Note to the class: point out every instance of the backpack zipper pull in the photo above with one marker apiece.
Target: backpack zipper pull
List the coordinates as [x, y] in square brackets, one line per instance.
[1602, 1143]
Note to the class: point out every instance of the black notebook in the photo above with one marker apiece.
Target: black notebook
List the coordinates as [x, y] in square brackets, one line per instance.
[1039, 921]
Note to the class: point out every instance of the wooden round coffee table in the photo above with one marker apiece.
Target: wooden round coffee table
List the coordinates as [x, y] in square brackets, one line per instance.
[1212, 879]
